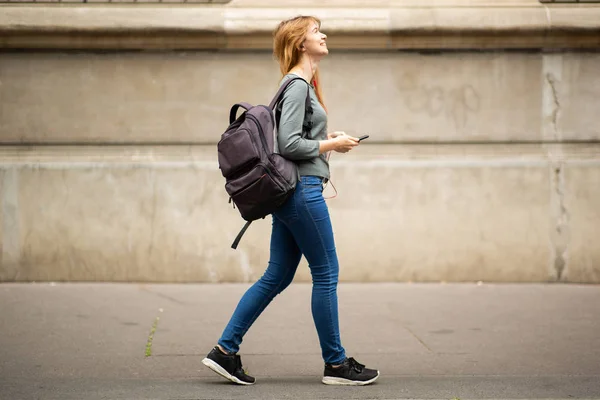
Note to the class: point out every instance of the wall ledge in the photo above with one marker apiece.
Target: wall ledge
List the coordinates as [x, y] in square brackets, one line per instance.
[231, 27]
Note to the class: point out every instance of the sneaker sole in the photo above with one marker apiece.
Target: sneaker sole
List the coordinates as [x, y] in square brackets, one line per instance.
[330, 380]
[219, 370]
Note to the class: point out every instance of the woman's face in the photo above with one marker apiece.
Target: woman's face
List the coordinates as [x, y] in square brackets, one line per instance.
[315, 42]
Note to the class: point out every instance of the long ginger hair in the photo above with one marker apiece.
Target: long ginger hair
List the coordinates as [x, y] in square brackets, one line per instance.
[287, 39]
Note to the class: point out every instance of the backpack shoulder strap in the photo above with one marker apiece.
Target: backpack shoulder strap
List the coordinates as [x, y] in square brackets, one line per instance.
[282, 89]
[308, 111]
[235, 243]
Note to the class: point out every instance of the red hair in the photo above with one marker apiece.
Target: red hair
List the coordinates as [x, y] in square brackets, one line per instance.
[287, 39]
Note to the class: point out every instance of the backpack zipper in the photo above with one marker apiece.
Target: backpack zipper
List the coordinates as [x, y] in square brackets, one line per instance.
[265, 147]
[262, 134]
[247, 186]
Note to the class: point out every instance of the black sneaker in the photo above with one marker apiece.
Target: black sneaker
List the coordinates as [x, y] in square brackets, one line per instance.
[351, 372]
[228, 366]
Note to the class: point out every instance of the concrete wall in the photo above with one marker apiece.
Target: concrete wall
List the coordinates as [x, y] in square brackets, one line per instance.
[480, 166]
[397, 97]
[483, 163]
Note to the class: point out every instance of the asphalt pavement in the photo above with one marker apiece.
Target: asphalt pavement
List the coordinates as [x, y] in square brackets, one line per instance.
[429, 341]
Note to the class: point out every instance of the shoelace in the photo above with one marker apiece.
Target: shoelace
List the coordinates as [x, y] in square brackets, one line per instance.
[238, 364]
[355, 365]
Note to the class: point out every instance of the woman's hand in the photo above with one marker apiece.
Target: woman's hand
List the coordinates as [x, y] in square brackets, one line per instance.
[337, 141]
[345, 143]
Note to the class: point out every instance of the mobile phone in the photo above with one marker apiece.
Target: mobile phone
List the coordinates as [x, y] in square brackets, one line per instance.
[363, 137]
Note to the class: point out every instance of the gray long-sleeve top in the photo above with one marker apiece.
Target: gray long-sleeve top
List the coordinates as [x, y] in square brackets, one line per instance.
[291, 144]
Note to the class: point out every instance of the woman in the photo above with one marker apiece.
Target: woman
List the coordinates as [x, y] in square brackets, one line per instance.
[302, 225]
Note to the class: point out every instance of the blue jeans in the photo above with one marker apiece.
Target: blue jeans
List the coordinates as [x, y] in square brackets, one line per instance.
[301, 226]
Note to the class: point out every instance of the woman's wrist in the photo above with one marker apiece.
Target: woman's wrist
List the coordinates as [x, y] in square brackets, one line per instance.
[328, 145]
